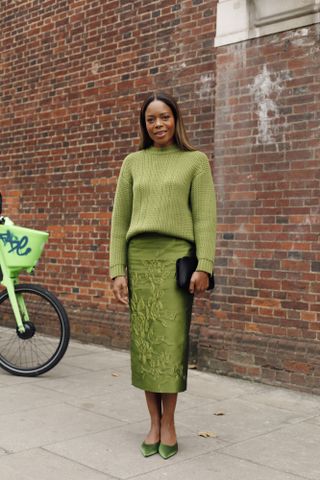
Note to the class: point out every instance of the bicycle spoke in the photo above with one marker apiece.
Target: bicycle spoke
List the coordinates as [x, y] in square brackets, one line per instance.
[39, 348]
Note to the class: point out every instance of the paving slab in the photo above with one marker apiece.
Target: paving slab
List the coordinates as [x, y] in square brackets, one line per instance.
[292, 449]
[45, 425]
[95, 362]
[20, 398]
[117, 453]
[215, 387]
[216, 466]
[299, 402]
[84, 420]
[60, 371]
[40, 464]
[128, 406]
[235, 420]
[86, 384]
[78, 348]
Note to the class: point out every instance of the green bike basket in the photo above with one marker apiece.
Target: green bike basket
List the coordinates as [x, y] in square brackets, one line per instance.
[21, 247]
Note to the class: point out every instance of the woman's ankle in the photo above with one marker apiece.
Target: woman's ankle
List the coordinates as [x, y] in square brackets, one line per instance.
[168, 432]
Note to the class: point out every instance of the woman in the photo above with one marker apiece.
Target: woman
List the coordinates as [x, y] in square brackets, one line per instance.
[164, 209]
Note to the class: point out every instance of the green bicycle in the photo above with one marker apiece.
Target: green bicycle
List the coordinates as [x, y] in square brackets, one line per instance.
[34, 326]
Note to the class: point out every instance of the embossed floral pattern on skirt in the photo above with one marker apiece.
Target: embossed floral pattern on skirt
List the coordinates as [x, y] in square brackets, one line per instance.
[160, 314]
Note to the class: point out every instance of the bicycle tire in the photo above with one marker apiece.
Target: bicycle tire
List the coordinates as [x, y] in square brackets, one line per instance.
[49, 335]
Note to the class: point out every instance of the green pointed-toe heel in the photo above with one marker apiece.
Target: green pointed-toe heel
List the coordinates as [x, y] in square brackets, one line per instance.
[148, 449]
[167, 451]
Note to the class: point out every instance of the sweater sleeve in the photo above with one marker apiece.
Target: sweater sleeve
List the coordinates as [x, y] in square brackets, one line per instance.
[121, 217]
[203, 205]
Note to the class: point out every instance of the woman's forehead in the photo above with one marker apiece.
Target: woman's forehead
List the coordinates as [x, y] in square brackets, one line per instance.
[157, 107]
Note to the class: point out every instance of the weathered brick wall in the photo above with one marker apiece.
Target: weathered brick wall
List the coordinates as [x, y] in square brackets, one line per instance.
[73, 74]
[265, 323]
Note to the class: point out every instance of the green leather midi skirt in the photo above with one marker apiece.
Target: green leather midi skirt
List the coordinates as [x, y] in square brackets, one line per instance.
[160, 313]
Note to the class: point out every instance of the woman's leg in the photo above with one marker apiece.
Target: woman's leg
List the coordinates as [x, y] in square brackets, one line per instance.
[168, 432]
[154, 407]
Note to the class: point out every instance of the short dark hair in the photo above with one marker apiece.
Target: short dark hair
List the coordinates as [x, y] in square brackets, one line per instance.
[180, 135]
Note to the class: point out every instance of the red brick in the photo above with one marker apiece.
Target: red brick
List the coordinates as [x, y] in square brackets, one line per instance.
[299, 367]
[69, 115]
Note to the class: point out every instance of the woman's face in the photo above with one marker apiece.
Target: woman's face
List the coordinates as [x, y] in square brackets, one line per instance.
[160, 123]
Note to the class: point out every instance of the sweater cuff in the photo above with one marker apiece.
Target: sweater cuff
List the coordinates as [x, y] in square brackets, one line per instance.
[205, 265]
[117, 271]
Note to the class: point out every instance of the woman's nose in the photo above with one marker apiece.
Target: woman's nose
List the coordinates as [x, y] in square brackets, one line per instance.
[158, 122]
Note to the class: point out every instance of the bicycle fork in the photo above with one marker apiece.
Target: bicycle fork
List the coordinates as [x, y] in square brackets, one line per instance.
[17, 302]
[18, 307]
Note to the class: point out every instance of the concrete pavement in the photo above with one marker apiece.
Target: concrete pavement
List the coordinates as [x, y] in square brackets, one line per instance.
[84, 421]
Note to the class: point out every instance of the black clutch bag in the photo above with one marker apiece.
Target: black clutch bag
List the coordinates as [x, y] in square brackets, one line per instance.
[185, 267]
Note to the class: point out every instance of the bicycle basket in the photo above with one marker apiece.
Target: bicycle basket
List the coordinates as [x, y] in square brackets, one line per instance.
[21, 247]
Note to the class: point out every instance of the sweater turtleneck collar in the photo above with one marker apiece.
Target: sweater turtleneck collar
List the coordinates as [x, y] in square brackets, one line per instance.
[164, 150]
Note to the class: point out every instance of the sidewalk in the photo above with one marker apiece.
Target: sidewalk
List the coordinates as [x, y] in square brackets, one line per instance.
[84, 421]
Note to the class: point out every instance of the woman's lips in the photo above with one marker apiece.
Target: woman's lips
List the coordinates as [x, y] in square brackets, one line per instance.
[160, 134]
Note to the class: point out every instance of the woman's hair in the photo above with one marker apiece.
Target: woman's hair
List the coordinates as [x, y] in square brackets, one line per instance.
[180, 135]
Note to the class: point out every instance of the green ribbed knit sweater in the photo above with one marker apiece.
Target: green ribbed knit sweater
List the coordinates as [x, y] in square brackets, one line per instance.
[167, 191]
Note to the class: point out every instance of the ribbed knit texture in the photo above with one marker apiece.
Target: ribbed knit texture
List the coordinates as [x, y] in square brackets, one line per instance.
[167, 191]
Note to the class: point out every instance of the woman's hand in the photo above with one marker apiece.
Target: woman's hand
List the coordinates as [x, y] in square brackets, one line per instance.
[120, 289]
[199, 282]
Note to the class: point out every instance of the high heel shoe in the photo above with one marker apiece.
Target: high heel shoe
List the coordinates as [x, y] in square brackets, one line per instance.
[148, 449]
[167, 451]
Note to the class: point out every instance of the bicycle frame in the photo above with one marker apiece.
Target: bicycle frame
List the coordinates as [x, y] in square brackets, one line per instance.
[20, 250]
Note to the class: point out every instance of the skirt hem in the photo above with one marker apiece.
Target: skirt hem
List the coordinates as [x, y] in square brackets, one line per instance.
[156, 390]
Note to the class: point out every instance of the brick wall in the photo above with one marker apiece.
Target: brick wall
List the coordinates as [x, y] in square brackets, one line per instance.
[265, 323]
[73, 76]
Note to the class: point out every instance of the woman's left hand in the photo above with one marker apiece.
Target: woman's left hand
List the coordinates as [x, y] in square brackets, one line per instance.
[199, 282]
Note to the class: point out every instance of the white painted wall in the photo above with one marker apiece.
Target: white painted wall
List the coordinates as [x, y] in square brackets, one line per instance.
[239, 20]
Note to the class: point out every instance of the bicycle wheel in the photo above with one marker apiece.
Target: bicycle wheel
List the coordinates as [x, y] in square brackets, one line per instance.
[47, 334]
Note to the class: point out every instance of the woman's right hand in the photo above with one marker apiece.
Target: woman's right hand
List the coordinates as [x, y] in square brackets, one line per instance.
[120, 289]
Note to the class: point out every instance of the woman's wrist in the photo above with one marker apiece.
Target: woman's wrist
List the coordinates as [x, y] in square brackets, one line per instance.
[202, 271]
[117, 276]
